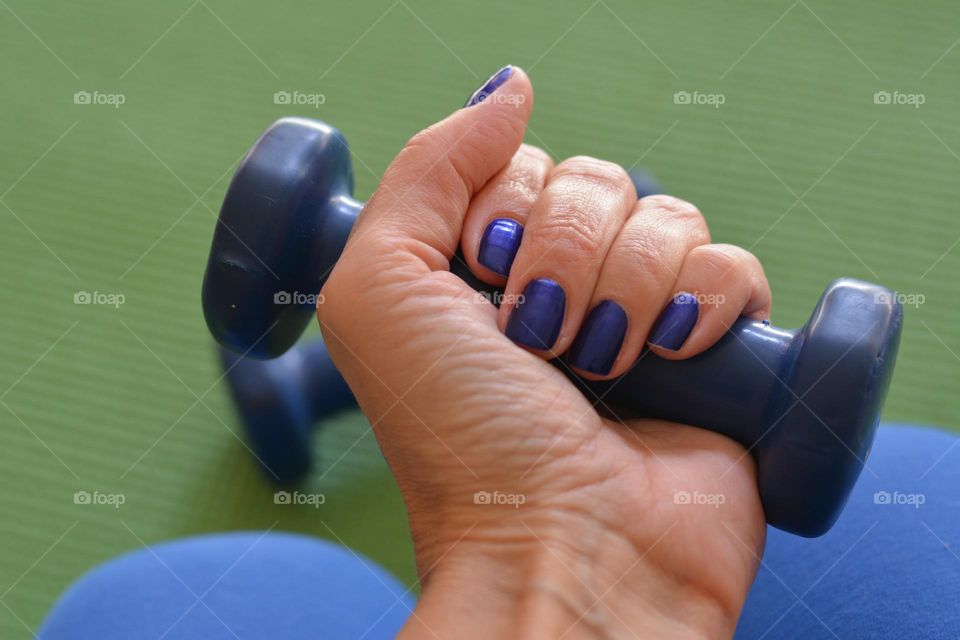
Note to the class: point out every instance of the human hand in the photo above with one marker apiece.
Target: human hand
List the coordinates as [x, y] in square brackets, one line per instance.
[603, 543]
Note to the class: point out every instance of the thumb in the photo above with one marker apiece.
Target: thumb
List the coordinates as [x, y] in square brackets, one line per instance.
[425, 192]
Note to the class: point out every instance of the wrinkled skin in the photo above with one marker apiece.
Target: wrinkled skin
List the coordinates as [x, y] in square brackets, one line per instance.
[600, 546]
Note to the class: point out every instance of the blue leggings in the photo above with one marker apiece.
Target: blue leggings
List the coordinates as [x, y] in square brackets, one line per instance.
[889, 569]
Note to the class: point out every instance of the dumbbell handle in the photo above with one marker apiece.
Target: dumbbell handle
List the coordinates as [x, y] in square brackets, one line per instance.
[733, 388]
[320, 383]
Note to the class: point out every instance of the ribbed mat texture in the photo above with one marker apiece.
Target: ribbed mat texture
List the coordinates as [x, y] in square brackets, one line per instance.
[822, 135]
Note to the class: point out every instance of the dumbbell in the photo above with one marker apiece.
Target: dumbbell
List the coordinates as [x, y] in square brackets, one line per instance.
[804, 402]
[279, 400]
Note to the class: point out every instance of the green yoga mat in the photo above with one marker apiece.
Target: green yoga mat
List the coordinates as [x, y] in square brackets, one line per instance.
[821, 135]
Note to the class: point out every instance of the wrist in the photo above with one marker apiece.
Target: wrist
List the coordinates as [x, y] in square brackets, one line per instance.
[546, 574]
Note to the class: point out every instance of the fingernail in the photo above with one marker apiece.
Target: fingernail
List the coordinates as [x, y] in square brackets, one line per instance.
[675, 322]
[499, 244]
[596, 347]
[491, 85]
[538, 316]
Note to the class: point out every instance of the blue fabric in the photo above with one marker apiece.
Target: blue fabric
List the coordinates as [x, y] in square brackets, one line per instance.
[252, 586]
[888, 570]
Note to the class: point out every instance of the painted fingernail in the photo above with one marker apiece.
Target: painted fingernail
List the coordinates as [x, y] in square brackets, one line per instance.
[675, 322]
[491, 85]
[596, 347]
[538, 316]
[499, 244]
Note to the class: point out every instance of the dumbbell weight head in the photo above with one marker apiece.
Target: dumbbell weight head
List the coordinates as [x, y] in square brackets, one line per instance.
[804, 402]
[279, 401]
[271, 244]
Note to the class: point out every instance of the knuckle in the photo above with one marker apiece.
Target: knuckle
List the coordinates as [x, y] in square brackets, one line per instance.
[673, 207]
[642, 254]
[457, 161]
[568, 231]
[593, 170]
[722, 259]
[536, 153]
[522, 189]
[424, 144]
[677, 212]
[521, 181]
[428, 153]
[418, 154]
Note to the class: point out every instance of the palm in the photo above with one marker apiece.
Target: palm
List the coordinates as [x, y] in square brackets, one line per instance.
[468, 411]
[697, 488]
[658, 484]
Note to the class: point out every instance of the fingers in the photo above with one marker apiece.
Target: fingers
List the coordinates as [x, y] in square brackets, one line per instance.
[717, 284]
[420, 204]
[569, 230]
[493, 227]
[635, 282]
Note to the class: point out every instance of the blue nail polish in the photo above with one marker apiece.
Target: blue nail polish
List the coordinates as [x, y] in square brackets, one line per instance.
[491, 85]
[596, 347]
[538, 316]
[499, 244]
[675, 322]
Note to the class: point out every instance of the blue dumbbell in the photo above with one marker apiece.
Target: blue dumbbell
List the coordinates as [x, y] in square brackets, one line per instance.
[279, 400]
[805, 402]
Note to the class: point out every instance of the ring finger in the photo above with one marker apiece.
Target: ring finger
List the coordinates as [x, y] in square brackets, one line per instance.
[636, 282]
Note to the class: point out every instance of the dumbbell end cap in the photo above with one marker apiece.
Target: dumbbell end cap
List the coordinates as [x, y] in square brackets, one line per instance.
[272, 241]
[820, 435]
[275, 416]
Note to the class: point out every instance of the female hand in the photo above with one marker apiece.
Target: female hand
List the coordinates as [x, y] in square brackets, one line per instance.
[533, 516]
